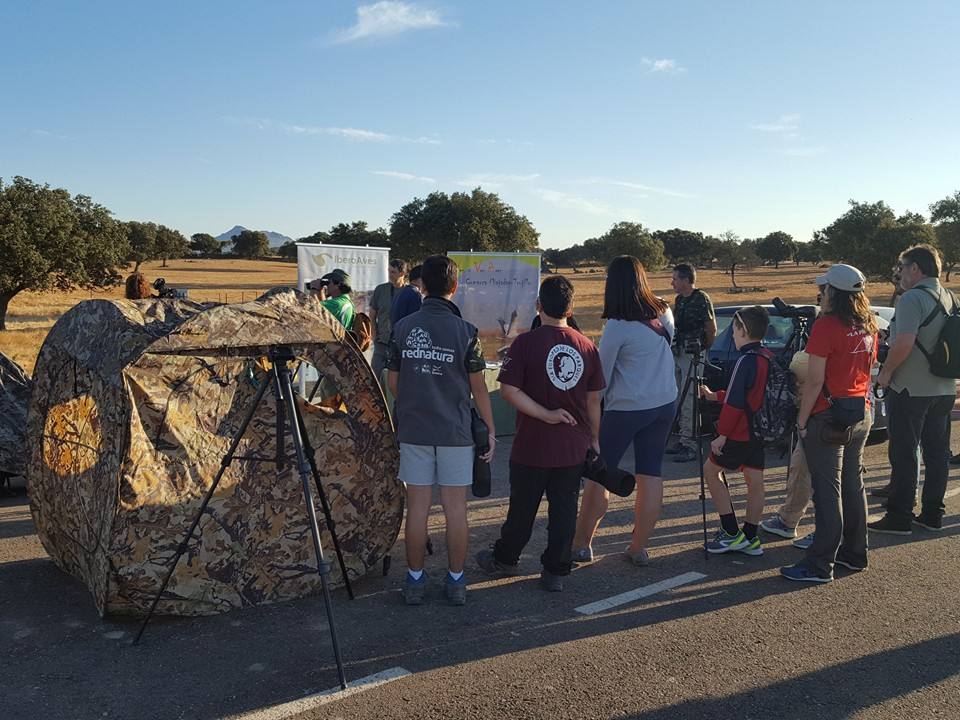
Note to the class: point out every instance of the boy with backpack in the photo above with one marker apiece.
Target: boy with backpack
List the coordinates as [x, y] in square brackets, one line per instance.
[738, 445]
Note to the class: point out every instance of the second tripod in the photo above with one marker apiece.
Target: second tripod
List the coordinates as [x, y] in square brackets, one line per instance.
[691, 384]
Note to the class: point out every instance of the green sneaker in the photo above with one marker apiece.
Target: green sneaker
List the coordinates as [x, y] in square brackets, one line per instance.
[752, 547]
[724, 543]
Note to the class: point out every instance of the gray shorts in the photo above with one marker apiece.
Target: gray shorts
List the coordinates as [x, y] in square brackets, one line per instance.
[436, 465]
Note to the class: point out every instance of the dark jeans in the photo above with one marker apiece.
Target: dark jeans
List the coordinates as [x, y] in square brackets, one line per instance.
[839, 500]
[913, 421]
[527, 485]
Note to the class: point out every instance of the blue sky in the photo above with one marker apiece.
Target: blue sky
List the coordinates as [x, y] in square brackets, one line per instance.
[293, 116]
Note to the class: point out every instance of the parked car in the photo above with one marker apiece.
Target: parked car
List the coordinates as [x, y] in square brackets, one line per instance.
[723, 354]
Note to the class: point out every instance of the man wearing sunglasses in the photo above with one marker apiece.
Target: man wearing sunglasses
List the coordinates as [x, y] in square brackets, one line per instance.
[919, 403]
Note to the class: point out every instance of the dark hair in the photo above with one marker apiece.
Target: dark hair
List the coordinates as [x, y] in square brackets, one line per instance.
[399, 265]
[415, 273]
[851, 308]
[686, 271]
[556, 296]
[926, 257]
[439, 275]
[571, 322]
[754, 320]
[627, 294]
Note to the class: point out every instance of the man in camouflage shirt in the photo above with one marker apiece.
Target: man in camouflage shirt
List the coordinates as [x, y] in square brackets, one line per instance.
[695, 325]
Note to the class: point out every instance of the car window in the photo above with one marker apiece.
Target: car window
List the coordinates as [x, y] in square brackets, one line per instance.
[723, 322]
[777, 334]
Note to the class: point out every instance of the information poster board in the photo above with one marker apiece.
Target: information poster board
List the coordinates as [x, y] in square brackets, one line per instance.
[366, 266]
[498, 293]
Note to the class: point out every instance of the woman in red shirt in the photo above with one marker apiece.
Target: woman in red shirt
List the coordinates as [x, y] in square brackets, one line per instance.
[834, 422]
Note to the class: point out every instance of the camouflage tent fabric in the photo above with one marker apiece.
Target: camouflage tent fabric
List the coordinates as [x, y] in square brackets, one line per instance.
[134, 406]
[14, 397]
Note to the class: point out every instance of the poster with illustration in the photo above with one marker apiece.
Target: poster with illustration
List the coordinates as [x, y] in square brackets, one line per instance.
[498, 294]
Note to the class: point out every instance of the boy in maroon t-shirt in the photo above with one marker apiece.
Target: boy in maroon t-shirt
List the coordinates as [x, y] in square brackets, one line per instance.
[552, 376]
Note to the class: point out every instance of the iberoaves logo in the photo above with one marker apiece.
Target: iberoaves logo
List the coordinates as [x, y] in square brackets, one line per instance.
[340, 260]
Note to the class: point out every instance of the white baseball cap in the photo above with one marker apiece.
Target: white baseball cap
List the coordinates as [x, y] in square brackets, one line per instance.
[843, 277]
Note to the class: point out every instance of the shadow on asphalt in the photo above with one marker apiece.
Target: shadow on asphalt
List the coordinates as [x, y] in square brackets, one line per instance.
[62, 656]
[833, 693]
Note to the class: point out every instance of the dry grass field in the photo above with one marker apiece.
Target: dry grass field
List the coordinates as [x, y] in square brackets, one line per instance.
[31, 315]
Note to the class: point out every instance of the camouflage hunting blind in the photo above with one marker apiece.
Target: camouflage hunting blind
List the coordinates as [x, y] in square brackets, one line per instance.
[134, 406]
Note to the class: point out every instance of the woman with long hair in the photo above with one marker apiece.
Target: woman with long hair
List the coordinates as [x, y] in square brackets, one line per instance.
[833, 424]
[639, 402]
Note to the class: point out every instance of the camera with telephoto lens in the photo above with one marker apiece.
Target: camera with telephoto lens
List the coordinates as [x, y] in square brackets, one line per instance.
[160, 285]
[804, 312]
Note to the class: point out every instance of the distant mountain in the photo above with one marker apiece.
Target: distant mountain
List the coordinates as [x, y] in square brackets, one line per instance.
[275, 238]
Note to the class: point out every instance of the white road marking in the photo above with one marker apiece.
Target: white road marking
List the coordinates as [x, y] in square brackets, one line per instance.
[295, 707]
[642, 592]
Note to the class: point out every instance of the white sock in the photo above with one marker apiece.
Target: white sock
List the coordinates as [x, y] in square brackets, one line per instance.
[455, 576]
[415, 574]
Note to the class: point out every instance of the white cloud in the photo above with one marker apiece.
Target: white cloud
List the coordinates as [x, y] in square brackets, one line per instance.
[404, 176]
[494, 180]
[49, 134]
[346, 133]
[787, 129]
[664, 65]
[640, 187]
[786, 124]
[388, 18]
[574, 202]
[257, 123]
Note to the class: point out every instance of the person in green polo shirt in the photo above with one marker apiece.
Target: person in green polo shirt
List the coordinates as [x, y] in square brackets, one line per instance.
[334, 289]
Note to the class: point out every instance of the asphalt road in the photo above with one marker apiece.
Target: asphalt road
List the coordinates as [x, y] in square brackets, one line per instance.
[734, 640]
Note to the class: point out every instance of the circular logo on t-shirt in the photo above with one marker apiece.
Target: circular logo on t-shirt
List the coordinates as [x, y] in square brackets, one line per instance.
[564, 366]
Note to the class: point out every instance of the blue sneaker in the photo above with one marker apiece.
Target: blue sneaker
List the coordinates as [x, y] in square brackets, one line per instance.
[801, 573]
[414, 590]
[776, 526]
[804, 542]
[724, 542]
[455, 590]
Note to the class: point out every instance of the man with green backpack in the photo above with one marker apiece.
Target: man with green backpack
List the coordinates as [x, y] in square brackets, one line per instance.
[920, 374]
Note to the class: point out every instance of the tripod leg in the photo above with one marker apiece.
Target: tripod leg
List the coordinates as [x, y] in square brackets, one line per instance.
[282, 373]
[281, 458]
[699, 439]
[324, 503]
[227, 459]
[685, 388]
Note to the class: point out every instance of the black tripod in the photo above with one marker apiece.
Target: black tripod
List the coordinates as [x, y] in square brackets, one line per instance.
[693, 381]
[281, 380]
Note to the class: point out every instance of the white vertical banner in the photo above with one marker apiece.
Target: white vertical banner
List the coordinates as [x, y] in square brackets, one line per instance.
[366, 266]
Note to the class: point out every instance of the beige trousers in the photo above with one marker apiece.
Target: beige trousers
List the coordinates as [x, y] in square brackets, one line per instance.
[799, 489]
